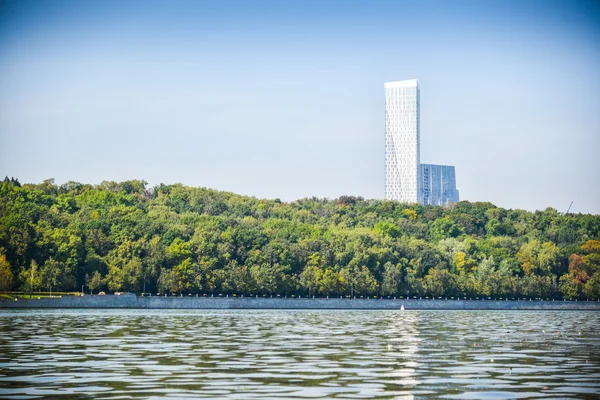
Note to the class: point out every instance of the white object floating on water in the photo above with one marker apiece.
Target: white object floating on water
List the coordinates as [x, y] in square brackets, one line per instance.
[402, 307]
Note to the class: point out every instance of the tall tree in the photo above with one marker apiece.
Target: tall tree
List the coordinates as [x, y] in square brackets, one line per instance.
[94, 282]
[6, 275]
[30, 278]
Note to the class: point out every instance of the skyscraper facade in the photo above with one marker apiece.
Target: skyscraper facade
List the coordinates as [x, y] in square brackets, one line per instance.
[439, 184]
[402, 143]
[406, 179]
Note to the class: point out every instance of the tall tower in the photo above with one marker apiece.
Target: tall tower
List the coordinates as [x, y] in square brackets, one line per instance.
[402, 142]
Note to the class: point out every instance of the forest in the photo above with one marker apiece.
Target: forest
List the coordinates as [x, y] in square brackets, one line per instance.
[185, 240]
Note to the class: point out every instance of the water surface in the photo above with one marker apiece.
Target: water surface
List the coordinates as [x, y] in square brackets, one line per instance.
[299, 354]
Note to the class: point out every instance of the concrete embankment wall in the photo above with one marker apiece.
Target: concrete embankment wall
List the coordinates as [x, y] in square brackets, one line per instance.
[132, 301]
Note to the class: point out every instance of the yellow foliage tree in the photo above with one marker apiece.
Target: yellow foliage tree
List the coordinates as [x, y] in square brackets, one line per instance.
[410, 214]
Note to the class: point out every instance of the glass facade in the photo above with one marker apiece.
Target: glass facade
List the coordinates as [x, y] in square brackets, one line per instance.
[402, 144]
[439, 184]
[406, 179]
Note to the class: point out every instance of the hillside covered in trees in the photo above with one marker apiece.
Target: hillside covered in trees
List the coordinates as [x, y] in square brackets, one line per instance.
[178, 239]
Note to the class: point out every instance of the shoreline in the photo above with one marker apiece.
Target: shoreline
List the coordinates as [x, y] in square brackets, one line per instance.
[266, 303]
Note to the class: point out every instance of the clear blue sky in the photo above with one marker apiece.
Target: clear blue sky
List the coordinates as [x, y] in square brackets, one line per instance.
[285, 99]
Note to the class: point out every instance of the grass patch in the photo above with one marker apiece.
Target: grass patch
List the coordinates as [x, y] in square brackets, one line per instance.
[35, 295]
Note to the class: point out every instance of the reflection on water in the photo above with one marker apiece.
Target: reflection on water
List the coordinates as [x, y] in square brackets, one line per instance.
[299, 354]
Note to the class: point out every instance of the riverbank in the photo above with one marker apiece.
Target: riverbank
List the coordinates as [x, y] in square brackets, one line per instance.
[156, 302]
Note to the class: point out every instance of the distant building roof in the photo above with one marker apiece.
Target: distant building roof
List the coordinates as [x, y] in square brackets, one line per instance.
[407, 83]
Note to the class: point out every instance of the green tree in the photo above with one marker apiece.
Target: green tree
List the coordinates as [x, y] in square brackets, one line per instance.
[310, 279]
[30, 278]
[201, 240]
[330, 282]
[365, 282]
[538, 258]
[439, 281]
[591, 290]
[443, 228]
[186, 273]
[6, 275]
[535, 286]
[180, 250]
[125, 277]
[414, 278]
[385, 228]
[94, 282]
[264, 277]
[392, 277]
[591, 257]
[168, 281]
[55, 274]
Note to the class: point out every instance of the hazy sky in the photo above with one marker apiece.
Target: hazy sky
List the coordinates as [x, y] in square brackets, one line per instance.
[285, 99]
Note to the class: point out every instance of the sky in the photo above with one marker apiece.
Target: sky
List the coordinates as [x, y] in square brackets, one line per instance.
[285, 99]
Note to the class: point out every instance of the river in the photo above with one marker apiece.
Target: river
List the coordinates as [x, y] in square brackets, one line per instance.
[299, 354]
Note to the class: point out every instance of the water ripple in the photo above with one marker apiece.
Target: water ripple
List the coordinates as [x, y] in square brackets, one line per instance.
[299, 354]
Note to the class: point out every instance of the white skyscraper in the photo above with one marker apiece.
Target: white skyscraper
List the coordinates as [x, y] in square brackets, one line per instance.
[402, 143]
[406, 179]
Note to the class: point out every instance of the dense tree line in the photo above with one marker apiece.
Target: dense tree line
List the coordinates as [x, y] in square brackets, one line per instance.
[179, 239]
